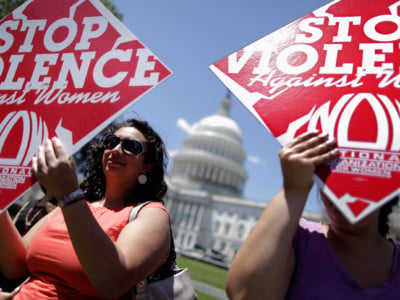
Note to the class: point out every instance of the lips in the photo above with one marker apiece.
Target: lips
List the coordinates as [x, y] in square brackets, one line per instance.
[114, 161]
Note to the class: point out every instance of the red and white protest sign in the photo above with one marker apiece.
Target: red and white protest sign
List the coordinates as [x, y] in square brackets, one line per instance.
[335, 70]
[68, 68]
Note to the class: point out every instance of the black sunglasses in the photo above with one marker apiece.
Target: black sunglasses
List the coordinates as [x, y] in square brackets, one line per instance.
[130, 147]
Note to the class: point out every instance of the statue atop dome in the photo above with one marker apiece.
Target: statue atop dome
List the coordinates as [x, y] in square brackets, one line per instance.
[226, 104]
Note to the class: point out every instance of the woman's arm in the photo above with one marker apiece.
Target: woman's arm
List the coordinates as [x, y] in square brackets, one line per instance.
[112, 267]
[115, 268]
[264, 264]
[13, 249]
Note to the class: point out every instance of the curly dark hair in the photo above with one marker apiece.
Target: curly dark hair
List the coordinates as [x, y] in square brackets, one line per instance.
[154, 189]
[384, 213]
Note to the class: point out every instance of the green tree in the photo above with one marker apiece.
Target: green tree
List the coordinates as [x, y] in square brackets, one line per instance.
[7, 6]
[113, 9]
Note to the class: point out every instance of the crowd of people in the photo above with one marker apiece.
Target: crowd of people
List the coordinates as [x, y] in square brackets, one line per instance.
[86, 248]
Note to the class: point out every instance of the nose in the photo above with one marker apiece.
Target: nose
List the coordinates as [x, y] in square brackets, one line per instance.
[118, 148]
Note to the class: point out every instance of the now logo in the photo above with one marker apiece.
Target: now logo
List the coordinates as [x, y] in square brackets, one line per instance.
[34, 132]
[354, 112]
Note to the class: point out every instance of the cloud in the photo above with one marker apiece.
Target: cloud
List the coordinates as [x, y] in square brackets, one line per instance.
[185, 126]
[172, 152]
[254, 159]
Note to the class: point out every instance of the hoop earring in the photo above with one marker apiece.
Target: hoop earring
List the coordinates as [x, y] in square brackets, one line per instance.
[142, 179]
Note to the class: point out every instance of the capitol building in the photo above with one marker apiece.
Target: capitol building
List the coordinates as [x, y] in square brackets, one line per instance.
[206, 182]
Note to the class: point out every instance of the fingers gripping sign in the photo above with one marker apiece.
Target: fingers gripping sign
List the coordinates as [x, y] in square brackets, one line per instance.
[54, 169]
[38, 163]
[302, 156]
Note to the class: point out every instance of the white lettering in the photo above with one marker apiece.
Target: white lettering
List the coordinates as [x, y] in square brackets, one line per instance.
[339, 118]
[372, 33]
[39, 133]
[370, 58]
[5, 128]
[143, 66]
[7, 37]
[382, 125]
[331, 61]
[55, 46]
[235, 65]
[315, 33]
[32, 26]
[343, 27]
[70, 66]
[89, 33]
[328, 119]
[41, 70]
[8, 83]
[98, 73]
[283, 59]
[57, 95]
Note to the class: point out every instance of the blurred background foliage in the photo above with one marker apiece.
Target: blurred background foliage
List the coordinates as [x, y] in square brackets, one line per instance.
[7, 6]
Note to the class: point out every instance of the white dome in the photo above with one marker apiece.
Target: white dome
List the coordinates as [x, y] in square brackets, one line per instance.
[220, 124]
[212, 156]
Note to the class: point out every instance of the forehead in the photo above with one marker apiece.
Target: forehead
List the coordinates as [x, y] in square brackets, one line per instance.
[130, 133]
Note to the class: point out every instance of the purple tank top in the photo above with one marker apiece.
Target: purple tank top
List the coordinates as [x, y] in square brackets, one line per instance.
[319, 274]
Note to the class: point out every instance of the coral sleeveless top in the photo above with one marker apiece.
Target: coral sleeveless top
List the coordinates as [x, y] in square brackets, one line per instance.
[55, 271]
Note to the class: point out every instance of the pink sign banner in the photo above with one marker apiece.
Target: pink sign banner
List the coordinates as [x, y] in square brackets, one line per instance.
[335, 70]
[68, 68]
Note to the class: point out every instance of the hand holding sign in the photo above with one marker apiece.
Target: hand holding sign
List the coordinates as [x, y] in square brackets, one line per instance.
[301, 157]
[55, 170]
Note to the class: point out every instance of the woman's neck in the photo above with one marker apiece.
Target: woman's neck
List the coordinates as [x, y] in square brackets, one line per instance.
[354, 237]
[365, 254]
[116, 193]
[111, 199]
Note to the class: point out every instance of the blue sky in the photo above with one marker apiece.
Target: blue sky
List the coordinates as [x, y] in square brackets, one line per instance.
[190, 35]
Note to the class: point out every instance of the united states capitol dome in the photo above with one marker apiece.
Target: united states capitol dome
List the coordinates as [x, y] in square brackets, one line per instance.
[212, 156]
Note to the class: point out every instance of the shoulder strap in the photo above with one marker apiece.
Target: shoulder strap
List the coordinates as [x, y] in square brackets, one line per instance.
[134, 212]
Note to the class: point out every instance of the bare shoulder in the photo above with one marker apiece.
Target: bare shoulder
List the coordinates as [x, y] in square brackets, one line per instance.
[150, 220]
[148, 211]
[147, 238]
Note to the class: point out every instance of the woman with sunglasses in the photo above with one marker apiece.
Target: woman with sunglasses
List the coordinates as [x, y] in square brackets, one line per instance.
[287, 257]
[87, 249]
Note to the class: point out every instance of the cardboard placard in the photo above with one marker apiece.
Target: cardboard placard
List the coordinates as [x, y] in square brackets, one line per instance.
[335, 70]
[68, 68]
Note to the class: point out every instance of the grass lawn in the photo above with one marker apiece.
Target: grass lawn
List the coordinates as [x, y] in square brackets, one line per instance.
[203, 272]
[204, 296]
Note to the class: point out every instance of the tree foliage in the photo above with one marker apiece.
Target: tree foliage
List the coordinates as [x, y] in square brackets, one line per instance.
[7, 6]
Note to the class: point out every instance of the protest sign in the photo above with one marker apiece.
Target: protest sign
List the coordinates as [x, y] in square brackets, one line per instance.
[335, 70]
[68, 68]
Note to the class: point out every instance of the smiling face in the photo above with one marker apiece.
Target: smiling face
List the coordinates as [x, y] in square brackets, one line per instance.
[116, 162]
